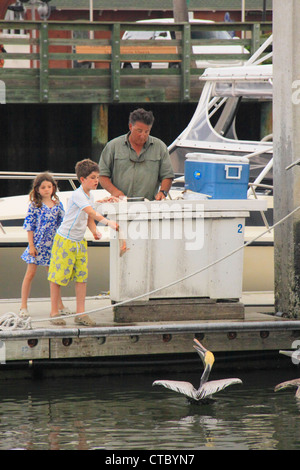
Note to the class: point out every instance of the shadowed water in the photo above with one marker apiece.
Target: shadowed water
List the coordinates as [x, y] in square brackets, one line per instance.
[126, 412]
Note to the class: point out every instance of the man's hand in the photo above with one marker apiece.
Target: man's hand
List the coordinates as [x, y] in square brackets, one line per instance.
[109, 199]
[160, 196]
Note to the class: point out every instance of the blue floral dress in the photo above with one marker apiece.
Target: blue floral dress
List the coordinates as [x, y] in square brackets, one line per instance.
[43, 222]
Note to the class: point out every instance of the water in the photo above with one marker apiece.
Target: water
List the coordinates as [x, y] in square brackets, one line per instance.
[126, 412]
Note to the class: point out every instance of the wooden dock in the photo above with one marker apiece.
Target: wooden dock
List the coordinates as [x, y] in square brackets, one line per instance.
[115, 348]
[60, 62]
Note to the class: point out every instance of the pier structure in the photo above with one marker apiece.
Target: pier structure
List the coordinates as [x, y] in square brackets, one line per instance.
[83, 62]
[113, 348]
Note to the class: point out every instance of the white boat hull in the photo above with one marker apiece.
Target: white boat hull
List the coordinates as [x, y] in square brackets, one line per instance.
[258, 268]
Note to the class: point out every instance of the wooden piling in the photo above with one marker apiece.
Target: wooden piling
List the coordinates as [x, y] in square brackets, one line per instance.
[286, 105]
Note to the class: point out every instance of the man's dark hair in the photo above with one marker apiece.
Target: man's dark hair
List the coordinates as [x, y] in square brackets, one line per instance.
[141, 115]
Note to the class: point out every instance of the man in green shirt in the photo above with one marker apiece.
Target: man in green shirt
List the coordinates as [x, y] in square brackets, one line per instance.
[137, 164]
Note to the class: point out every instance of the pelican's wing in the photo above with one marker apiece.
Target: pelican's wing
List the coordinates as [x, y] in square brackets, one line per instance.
[185, 388]
[214, 386]
[289, 383]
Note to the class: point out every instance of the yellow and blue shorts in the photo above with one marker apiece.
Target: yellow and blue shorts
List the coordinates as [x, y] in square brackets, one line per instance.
[68, 261]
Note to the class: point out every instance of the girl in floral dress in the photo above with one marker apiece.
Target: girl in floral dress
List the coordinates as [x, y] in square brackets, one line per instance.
[44, 216]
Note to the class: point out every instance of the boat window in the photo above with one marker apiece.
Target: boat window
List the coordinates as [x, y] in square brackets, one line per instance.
[142, 35]
[210, 35]
[161, 34]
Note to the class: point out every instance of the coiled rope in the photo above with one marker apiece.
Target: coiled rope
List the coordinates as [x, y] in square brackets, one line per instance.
[13, 321]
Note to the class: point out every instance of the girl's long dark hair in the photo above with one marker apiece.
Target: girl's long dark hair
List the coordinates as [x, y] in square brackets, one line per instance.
[34, 194]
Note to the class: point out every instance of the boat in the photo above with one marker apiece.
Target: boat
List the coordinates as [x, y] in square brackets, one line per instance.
[213, 127]
[231, 48]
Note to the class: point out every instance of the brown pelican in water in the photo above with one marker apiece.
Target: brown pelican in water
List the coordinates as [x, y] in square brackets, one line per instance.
[289, 383]
[295, 355]
[206, 389]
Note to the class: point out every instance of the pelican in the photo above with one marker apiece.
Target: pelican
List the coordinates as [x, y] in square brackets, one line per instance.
[206, 389]
[295, 355]
[289, 383]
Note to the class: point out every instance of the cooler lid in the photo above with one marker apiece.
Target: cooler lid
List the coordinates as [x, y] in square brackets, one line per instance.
[215, 158]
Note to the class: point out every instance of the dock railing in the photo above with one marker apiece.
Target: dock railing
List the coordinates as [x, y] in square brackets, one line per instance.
[83, 62]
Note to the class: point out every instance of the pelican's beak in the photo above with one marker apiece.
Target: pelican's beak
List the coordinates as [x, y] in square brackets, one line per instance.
[199, 348]
[286, 353]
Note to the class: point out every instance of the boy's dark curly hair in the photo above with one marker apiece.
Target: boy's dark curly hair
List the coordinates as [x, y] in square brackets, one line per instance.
[85, 167]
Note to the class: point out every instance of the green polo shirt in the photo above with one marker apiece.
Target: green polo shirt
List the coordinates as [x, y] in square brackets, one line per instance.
[136, 176]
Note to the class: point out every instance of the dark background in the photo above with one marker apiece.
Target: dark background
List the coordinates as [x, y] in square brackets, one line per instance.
[54, 137]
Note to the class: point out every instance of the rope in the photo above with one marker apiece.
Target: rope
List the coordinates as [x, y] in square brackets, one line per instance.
[15, 320]
[12, 321]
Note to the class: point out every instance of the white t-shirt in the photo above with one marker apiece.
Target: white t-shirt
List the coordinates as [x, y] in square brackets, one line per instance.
[74, 223]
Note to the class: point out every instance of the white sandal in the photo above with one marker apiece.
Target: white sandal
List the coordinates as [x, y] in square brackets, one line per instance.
[23, 313]
[84, 320]
[65, 311]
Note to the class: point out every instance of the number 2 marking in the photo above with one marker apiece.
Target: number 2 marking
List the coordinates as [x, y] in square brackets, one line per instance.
[240, 228]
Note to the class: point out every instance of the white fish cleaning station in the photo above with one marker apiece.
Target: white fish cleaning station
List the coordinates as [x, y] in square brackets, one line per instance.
[184, 258]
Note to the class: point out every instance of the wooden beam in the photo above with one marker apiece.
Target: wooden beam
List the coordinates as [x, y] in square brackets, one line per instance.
[99, 129]
[44, 63]
[178, 310]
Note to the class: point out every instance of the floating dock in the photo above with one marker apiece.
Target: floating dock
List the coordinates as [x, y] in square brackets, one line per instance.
[118, 348]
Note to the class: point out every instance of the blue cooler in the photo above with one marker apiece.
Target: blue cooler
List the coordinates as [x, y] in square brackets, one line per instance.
[218, 176]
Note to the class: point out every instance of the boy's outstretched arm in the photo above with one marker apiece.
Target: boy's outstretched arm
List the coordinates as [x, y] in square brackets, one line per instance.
[96, 216]
[93, 228]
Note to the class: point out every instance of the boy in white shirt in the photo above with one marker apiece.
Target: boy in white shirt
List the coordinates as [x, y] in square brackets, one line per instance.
[69, 251]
